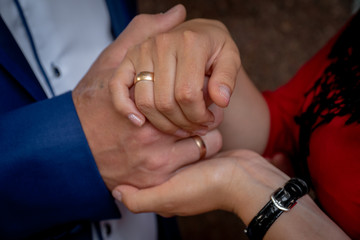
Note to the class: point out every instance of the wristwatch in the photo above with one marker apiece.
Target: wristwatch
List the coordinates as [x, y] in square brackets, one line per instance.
[282, 200]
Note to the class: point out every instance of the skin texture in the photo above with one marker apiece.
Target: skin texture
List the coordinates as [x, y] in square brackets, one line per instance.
[239, 181]
[123, 152]
[177, 101]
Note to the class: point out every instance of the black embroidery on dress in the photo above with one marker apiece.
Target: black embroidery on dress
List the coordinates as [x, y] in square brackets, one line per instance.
[335, 93]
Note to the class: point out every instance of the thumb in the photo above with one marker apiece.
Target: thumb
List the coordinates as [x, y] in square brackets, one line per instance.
[137, 200]
[223, 77]
[151, 199]
[144, 26]
[123, 190]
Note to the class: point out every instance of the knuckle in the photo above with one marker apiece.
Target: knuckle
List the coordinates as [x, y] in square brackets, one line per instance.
[145, 106]
[235, 55]
[228, 76]
[155, 163]
[186, 94]
[147, 136]
[164, 106]
[218, 24]
[212, 22]
[190, 37]
[139, 19]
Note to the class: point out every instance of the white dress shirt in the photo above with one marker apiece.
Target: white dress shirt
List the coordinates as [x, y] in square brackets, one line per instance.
[68, 36]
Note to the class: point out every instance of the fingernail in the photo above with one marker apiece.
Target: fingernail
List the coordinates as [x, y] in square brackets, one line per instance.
[225, 92]
[117, 195]
[173, 9]
[136, 120]
[182, 134]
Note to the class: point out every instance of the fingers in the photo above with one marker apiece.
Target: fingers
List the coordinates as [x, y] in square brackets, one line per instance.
[143, 58]
[223, 78]
[177, 101]
[139, 29]
[144, 26]
[183, 153]
[119, 87]
[186, 151]
[165, 67]
[195, 189]
[144, 200]
[190, 78]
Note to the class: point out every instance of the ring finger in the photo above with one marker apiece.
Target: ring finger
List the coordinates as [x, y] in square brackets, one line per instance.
[165, 67]
[188, 151]
[144, 90]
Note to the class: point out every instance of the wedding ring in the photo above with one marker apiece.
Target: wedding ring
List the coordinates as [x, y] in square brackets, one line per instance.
[201, 145]
[144, 76]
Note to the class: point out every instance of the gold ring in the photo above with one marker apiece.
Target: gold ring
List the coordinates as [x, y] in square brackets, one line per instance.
[201, 145]
[144, 76]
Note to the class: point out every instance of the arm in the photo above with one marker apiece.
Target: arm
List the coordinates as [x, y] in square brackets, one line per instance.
[246, 122]
[48, 175]
[60, 157]
[240, 182]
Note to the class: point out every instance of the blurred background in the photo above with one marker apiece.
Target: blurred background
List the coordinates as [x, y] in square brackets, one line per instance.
[274, 38]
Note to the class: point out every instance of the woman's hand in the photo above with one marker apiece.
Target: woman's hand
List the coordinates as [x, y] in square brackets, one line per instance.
[239, 181]
[177, 101]
[229, 182]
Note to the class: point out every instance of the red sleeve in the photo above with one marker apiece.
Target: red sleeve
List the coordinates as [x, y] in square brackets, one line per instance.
[287, 101]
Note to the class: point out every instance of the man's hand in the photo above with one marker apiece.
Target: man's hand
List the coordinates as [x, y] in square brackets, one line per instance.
[124, 153]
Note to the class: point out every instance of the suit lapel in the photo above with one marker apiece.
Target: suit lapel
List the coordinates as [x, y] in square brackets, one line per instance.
[13, 60]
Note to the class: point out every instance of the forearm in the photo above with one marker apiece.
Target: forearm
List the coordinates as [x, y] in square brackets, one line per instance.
[246, 121]
[47, 174]
[238, 181]
[304, 221]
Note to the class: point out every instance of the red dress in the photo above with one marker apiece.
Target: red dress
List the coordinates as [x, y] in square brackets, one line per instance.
[333, 147]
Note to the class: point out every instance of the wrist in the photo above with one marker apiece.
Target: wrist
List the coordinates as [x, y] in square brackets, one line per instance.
[251, 188]
[282, 200]
[248, 203]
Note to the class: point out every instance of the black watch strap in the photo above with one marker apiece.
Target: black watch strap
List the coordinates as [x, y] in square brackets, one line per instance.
[282, 200]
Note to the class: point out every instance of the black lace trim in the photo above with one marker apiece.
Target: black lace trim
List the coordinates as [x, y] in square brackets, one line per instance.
[335, 93]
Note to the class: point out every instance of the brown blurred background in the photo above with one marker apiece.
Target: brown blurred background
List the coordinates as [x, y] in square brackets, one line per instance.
[274, 38]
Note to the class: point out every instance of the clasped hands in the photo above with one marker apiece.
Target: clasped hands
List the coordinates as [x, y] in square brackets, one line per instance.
[124, 152]
[195, 64]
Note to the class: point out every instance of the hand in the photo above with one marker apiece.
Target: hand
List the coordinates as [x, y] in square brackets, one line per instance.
[233, 181]
[180, 59]
[126, 154]
[239, 181]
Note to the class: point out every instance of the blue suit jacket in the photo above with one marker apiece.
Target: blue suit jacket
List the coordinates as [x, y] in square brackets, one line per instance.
[49, 182]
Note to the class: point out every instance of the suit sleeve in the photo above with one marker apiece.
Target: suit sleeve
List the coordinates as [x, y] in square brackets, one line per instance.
[48, 176]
